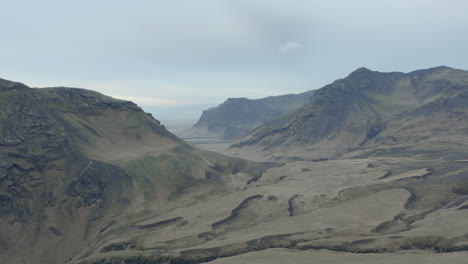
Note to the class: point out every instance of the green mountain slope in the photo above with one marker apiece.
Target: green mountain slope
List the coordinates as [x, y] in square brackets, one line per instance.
[74, 162]
[357, 112]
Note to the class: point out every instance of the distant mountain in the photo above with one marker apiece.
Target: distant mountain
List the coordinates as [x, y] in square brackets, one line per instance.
[74, 163]
[237, 116]
[369, 113]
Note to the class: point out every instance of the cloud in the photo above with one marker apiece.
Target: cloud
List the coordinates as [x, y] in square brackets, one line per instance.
[289, 47]
[150, 101]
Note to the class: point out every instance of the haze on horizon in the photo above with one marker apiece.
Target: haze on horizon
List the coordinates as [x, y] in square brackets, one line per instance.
[175, 58]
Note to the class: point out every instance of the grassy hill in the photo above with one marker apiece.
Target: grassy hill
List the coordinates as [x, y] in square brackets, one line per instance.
[368, 110]
[75, 162]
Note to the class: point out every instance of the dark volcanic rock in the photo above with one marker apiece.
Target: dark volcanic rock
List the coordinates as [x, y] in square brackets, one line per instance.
[96, 182]
[38, 139]
[46, 174]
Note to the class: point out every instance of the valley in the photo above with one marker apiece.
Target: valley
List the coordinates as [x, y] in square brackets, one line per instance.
[385, 206]
[372, 169]
[234, 132]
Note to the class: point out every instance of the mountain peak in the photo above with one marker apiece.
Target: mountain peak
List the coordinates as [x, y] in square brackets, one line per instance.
[443, 67]
[350, 112]
[9, 85]
[361, 72]
[362, 69]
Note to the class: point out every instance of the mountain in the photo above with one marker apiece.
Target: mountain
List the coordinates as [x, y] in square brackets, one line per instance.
[374, 113]
[88, 179]
[237, 116]
[74, 163]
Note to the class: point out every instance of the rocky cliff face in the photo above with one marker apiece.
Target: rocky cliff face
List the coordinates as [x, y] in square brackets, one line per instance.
[237, 116]
[363, 109]
[49, 183]
[73, 161]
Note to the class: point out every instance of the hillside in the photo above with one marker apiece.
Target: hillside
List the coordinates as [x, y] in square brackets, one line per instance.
[75, 162]
[373, 113]
[237, 116]
[88, 179]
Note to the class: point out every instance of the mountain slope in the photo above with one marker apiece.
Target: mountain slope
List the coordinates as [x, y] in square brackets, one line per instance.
[351, 113]
[237, 116]
[151, 198]
[74, 162]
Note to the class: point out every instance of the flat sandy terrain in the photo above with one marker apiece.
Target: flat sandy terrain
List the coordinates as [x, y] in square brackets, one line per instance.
[296, 212]
[282, 256]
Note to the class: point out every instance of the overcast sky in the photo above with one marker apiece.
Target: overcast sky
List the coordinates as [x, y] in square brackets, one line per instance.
[181, 53]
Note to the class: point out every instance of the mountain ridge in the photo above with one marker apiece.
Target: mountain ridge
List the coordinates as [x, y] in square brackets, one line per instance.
[237, 116]
[349, 112]
[74, 162]
[87, 179]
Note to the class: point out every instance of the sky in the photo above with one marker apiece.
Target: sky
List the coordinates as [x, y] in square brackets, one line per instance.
[177, 57]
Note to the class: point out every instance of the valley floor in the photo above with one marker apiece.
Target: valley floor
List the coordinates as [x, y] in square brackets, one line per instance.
[382, 211]
[281, 256]
[291, 214]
